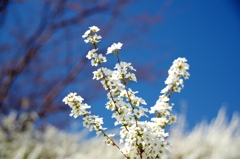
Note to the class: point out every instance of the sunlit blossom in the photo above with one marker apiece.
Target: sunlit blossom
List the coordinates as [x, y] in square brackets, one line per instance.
[114, 47]
[140, 138]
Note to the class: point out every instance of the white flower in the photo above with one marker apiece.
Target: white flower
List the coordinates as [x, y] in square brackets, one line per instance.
[101, 58]
[141, 138]
[114, 47]
[131, 77]
[86, 33]
[75, 102]
[94, 29]
[93, 39]
[96, 38]
[97, 74]
[124, 66]
[89, 39]
[91, 53]
[108, 140]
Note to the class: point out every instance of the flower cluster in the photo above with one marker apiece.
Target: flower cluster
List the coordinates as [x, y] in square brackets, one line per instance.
[144, 139]
[91, 35]
[92, 122]
[114, 47]
[174, 83]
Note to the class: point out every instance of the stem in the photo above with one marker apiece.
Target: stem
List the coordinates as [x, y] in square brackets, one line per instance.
[140, 149]
[109, 90]
[114, 144]
[169, 95]
[125, 84]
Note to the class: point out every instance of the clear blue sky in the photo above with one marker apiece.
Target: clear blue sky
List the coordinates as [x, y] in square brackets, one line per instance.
[207, 33]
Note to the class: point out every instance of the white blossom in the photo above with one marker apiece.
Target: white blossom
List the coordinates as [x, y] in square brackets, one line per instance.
[92, 122]
[114, 47]
[86, 34]
[94, 29]
[140, 138]
[91, 53]
[174, 84]
[91, 36]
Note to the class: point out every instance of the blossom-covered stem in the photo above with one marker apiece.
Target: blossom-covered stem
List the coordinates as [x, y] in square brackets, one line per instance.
[89, 121]
[169, 95]
[143, 139]
[174, 83]
[105, 79]
[109, 90]
[125, 84]
[140, 150]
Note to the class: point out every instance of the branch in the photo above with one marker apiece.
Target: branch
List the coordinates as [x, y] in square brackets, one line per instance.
[3, 5]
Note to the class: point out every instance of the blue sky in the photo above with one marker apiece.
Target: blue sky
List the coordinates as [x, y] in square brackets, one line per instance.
[207, 33]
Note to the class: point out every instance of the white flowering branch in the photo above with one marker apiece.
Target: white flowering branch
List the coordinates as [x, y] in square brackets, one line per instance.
[141, 139]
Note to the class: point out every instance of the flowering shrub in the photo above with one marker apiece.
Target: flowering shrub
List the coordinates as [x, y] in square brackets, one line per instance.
[219, 139]
[141, 139]
[19, 139]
